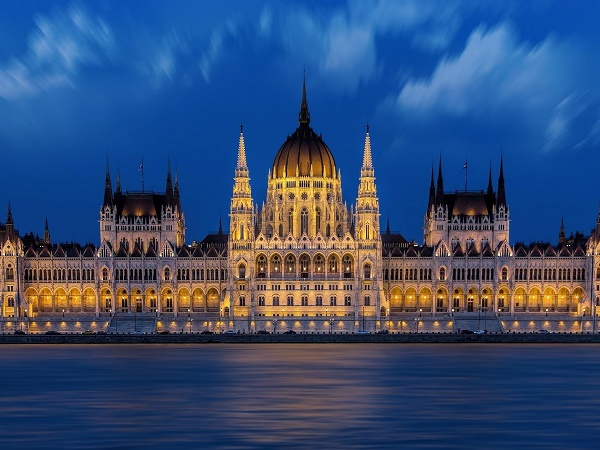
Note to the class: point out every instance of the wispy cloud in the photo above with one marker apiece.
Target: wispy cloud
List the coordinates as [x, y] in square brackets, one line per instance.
[496, 74]
[58, 48]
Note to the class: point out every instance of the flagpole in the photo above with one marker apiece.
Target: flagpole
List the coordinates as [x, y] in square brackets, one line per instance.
[466, 173]
[142, 169]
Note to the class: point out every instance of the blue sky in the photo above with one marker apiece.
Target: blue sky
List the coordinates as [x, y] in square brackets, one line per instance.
[173, 80]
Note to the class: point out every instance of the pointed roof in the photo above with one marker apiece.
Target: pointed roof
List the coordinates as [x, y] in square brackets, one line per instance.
[183, 252]
[9, 217]
[431, 192]
[501, 193]
[367, 159]
[521, 250]
[59, 252]
[122, 253]
[88, 252]
[118, 188]
[561, 233]
[458, 251]
[439, 194]
[487, 251]
[169, 195]
[177, 198]
[472, 251]
[151, 252]
[108, 196]
[579, 251]
[490, 188]
[304, 115]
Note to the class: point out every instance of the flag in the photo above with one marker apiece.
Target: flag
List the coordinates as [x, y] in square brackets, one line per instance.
[141, 166]
[466, 163]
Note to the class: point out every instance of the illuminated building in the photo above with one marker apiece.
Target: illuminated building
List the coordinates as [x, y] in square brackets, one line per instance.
[302, 260]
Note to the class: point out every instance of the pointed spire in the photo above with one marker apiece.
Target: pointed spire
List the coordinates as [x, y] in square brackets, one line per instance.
[220, 226]
[490, 188]
[367, 159]
[46, 233]
[439, 195]
[108, 197]
[561, 234]
[241, 159]
[431, 191]
[176, 192]
[387, 228]
[501, 193]
[169, 188]
[118, 189]
[304, 116]
[9, 217]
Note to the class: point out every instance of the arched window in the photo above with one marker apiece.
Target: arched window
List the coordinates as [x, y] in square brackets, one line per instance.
[304, 264]
[290, 264]
[347, 266]
[241, 231]
[261, 266]
[504, 275]
[167, 274]
[367, 271]
[442, 274]
[304, 221]
[291, 221]
[276, 264]
[319, 265]
[104, 274]
[333, 264]
[367, 231]
[242, 271]
[318, 220]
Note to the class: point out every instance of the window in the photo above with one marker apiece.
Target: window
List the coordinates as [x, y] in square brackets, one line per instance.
[367, 300]
[104, 274]
[304, 221]
[304, 300]
[333, 264]
[319, 300]
[347, 300]
[261, 264]
[319, 264]
[242, 271]
[290, 300]
[318, 219]
[367, 271]
[167, 274]
[504, 275]
[276, 264]
[332, 300]
[242, 301]
[304, 262]
[275, 300]
[442, 274]
[290, 264]
[347, 264]
[261, 300]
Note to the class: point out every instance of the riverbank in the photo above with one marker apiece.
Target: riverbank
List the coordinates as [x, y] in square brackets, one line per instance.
[403, 338]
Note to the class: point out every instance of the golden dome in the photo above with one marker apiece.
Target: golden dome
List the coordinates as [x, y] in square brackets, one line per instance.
[304, 153]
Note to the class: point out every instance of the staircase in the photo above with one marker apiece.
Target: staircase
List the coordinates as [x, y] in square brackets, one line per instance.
[475, 321]
[132, 323]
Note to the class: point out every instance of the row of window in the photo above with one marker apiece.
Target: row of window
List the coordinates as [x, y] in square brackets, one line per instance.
[409, 274]
[550, 274]
[57, 274]
[304, 301]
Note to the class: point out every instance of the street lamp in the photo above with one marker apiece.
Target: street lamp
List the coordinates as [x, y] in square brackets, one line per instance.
[275, 326]
[420, 311]
[63, 312]
[546, 312]
[330, 324]
[191, 325]
[452, 313]
[417, 322]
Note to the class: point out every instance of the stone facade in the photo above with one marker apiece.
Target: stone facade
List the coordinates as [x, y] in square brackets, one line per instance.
[302, 260]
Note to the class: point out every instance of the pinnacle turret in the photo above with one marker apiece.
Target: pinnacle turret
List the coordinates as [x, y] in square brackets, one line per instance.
[490, 188]
[169, 195]
[304, 116]
[108, 196]
[439, 194]
[501, 192]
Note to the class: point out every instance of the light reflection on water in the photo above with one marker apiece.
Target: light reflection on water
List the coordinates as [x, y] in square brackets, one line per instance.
[298, 395]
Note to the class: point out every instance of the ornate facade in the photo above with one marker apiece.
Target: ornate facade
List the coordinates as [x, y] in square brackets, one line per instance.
[302, 260]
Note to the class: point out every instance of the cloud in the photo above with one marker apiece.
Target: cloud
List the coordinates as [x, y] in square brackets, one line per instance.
[496, 75]
[62, 44]
[216, 47]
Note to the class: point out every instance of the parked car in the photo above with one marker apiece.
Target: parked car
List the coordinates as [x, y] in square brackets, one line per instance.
[289, 332]
[480, 332]
[164, 332]
[466, 332]
[383, 332]
[230, 332]
[207, 332]
[363, 332]
[544, 331]
[262, 332]
[88, 332]
[51, 332]
[19, 332]
[101, 332]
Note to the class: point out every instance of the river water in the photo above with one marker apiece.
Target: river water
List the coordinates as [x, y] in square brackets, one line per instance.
[300, 396]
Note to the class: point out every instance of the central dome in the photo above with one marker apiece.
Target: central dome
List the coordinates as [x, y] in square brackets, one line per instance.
[304, 153]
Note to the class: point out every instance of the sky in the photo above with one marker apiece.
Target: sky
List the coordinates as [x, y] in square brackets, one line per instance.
[162, 81]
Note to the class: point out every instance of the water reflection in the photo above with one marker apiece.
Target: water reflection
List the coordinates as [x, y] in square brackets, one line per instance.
[349, 396]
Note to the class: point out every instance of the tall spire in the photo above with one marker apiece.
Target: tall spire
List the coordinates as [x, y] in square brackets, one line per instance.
[46, 233]
[439, 195]
[176, 192]
[242, 165]
[501, 192]
[431, 192]
[10, 226]
[108, 197]
[367, 166]
[220, 226]
[169, 188]
[304, 116]
[387, 228]
[490, 188]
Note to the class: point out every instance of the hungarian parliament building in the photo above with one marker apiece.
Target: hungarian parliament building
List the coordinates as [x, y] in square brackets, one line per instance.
[302, 261]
